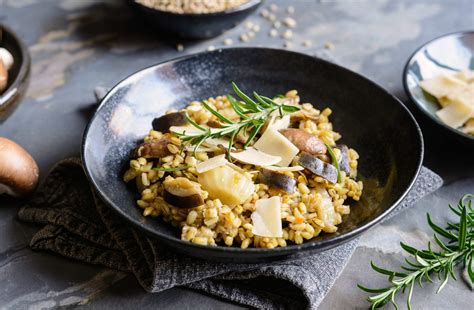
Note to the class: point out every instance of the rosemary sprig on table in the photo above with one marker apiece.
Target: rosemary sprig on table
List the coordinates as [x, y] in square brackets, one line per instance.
[252, 112]
[459, 248]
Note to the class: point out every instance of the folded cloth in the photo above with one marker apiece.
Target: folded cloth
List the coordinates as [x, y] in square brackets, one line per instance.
[78, 225]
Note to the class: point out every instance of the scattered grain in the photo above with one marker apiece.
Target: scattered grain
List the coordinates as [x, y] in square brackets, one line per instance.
[244, 37]
[288, 34]
[264, 13]
[329, 45]
[289, 22]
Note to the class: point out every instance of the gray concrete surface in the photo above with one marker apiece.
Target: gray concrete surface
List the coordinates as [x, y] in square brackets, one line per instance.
[77, 45]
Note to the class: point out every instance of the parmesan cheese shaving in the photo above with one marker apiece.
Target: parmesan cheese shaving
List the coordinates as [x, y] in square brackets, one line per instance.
[274, 143]
[455, 114]
[255, 157]
[469, 127]
[266, 219]
[443, 85]
[278, 122]
[211, 163]
[455, 93]
[283, 169]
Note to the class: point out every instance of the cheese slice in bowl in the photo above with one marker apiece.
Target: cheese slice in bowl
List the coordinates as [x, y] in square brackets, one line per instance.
[266, 219]
[274, 143]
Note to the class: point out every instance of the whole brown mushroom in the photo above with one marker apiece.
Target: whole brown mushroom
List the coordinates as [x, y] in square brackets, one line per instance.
[18, 170]
[3, 76]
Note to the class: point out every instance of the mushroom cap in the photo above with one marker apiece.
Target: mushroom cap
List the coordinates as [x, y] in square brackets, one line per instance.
[6, 57]
[19, 172]
[3, 76]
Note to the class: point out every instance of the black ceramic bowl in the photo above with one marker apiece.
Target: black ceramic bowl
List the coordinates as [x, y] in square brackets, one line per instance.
[17, 75]
[446, 54]
[195, 26]
[370, 120]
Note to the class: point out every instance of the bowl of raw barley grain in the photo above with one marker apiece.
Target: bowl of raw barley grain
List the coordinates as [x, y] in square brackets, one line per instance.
[194, 19]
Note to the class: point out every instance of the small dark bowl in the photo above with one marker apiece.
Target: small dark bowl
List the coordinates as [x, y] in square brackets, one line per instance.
[17, 75]
[195, 26]
[370, 120]
[446, 54]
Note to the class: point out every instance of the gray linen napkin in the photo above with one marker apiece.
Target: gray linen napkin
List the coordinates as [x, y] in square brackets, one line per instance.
[79, 226]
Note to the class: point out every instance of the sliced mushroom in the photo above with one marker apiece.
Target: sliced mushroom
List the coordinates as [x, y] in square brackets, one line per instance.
[163, 123]
[319, 167]
[18, 170]
[3, 76]
[182, 193]
[152, 149]
[344, 158]
[214, 124]
[278, 181]
[304, 141]
[242, 137]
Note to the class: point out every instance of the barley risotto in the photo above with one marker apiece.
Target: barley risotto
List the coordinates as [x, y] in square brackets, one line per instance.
[249, 172]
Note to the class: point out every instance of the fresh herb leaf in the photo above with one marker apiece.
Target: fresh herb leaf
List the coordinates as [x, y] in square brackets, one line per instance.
[252, 113]
[458, 249]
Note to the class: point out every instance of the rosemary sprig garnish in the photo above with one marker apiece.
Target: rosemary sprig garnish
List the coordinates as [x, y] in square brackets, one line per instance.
[459, 248]
[252, 113]
[179, 168]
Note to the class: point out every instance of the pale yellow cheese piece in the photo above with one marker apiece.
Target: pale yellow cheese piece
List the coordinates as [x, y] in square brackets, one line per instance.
[326, 212]
[274, 143]
[443, 85]
[466, 75]
[469, 127]
[255, 157]
[283, 169]
[211, 163]
[266, 220]
[466, 96]
[456, 113]
[278, 122]
[444, 101]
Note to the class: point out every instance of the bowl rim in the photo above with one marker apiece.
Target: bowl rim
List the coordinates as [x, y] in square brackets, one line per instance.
[10, 93]
[320, 245]
[240, 8]
[415, 100]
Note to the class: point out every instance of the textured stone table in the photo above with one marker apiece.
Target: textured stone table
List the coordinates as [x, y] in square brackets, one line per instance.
[79, 44]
